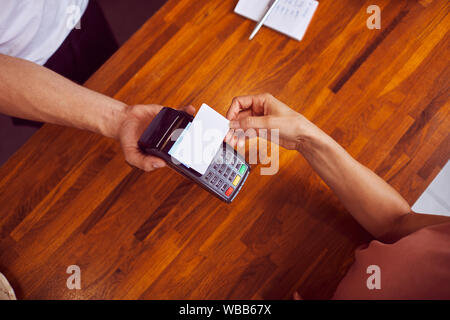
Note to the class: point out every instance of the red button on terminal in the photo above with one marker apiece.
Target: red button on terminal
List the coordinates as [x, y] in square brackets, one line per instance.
[229, 191]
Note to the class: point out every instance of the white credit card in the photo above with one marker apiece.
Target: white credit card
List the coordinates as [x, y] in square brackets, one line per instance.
[199, 143]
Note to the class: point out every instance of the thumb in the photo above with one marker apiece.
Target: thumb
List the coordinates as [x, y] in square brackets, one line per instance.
[252, 123]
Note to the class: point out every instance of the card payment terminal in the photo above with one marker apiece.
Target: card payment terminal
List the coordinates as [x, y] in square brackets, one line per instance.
[226, 173]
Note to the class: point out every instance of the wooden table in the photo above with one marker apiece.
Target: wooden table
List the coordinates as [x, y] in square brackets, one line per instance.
[68, 198]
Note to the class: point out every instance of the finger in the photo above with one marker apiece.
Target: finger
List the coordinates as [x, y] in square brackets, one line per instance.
[189, 109]
[153, 162]
[229, 136]
[256, 103]
[133, 154]
[231, 132]
[244, 114]
[233, 141]
[150, 109]
[241, 141]
[144, 162]
[253, 123]
[238, 105]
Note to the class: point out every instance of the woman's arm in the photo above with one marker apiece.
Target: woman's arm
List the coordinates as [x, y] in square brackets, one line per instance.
[32, 92]
[379, 208]
[372, 202]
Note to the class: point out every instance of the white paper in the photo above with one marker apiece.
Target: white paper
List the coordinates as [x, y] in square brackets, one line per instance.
[436, 198]
[290, 17]
[198, 144]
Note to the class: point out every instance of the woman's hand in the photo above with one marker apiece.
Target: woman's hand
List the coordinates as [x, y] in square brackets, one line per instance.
[136, 119]
[264, 111]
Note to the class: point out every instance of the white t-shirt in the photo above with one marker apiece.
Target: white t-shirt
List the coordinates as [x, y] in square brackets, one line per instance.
[34, 29]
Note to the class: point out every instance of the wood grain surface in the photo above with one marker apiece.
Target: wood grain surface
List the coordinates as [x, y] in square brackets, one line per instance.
[68, 198]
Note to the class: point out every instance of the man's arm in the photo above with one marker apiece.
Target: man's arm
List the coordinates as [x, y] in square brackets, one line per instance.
[32, 92]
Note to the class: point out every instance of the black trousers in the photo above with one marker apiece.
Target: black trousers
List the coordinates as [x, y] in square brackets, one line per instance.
[83, 52]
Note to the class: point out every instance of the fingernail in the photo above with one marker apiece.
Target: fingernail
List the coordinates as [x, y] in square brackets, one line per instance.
[234, 124]
[158, 165]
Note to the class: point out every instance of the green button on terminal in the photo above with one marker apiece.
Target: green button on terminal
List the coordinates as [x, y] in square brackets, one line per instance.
[242, 169]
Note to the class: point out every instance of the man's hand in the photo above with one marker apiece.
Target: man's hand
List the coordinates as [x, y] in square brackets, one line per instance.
[133, 125]
[68, 104]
